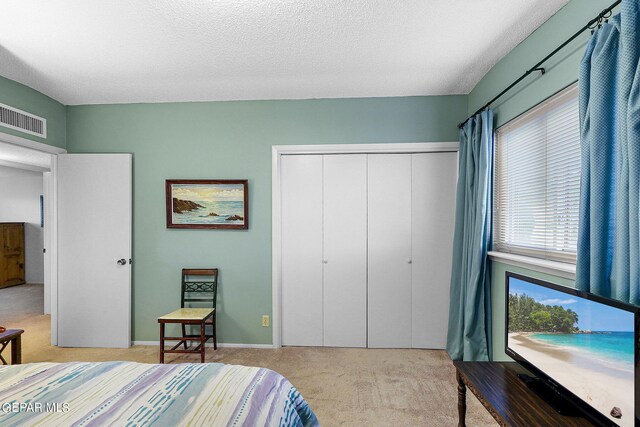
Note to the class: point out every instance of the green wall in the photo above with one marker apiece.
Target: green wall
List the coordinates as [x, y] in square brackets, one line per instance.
[30, 100]
[232, 140]
[562, 70]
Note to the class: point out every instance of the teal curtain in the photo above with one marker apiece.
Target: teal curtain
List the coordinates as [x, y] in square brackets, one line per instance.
[469, 335]
[608, 261]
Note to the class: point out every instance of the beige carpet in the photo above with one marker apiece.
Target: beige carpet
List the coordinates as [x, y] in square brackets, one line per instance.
[345, 387]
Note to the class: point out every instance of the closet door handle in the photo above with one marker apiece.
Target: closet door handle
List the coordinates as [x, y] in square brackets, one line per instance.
[409, 261]
[324, 261]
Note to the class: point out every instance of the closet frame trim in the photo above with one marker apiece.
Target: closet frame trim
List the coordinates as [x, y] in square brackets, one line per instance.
[277, 151]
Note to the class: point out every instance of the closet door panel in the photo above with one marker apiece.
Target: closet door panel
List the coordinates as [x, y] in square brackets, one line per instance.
[389, 249]
[434, 177]
[345, 250]
[301, 203]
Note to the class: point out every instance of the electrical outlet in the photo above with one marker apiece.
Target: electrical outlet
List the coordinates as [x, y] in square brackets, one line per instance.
[265, 320]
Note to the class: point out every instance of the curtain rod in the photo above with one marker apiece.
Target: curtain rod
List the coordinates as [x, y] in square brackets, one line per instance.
[597, 21]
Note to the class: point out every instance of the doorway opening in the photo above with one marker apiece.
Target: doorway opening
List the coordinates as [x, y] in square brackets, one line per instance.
[22, 248]
[27, 229]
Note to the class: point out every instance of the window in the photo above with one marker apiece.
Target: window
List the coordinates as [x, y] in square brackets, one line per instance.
[537, 181]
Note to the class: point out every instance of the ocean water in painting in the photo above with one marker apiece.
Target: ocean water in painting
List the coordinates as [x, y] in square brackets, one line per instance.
[208, 203]
[224, 210]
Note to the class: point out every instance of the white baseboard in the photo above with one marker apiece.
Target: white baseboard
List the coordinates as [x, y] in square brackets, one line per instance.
[220, 344]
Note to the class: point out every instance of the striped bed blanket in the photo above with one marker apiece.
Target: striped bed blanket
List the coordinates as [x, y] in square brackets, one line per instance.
[135, 394]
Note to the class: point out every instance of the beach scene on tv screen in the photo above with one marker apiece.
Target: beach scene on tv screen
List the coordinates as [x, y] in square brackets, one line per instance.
[587, 347]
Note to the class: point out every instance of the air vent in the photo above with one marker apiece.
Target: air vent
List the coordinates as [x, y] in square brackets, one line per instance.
[22, 121]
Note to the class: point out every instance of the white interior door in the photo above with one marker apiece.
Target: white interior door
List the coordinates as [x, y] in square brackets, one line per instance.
[94, 250]
[433, 206]
[345, 250]
[301, 202]
[389, 314]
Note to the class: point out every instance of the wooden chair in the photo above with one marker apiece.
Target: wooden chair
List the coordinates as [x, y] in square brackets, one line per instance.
[11, 336]
[198, 308]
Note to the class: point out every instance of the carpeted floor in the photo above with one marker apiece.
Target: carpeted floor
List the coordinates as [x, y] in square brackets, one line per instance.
[345, 387]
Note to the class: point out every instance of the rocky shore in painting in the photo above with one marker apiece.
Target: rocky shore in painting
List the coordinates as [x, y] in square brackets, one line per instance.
[180, 206]
[235, 218]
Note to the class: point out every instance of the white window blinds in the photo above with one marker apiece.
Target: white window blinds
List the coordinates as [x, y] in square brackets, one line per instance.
[537, 181]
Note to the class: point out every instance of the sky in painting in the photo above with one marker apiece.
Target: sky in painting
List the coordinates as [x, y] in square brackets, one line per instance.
[203, 192]
[592, 315]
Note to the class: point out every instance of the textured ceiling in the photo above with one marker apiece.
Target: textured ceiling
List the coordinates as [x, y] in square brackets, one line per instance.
[122, 51]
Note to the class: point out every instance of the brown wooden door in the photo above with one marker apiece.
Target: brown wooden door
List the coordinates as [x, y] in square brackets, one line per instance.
[12, 254]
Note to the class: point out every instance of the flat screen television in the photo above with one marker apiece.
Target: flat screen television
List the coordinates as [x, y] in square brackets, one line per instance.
[580, 346]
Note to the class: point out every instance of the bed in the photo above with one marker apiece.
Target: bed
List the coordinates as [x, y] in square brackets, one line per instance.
[136, 394]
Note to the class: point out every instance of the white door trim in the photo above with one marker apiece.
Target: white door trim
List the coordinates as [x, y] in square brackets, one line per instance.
[277, 151]
[23, 166]
[52, 217]
[33, 145]
[50, 192]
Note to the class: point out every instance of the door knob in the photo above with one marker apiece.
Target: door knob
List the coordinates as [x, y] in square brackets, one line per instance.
[122, 261]
[409, 261]
[324, 261]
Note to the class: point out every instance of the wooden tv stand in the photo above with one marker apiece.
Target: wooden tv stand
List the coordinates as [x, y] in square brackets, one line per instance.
[507, 397]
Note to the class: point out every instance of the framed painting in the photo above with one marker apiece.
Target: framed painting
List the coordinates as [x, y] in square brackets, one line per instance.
[205, 203]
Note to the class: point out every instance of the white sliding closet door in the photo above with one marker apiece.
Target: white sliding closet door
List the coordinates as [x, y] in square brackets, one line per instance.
[345, 250]
[389, 234]
[433, 203]
[301, 198]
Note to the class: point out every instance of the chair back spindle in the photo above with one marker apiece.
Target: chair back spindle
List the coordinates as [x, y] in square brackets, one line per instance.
[199, 287]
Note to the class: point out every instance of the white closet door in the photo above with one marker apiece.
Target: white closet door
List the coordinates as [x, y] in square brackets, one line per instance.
[432, 221]
[345, 250]
[301, 197]
[389, 299]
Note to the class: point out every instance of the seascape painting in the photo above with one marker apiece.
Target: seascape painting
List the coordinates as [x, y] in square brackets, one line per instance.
[207, 204]
[586, 346]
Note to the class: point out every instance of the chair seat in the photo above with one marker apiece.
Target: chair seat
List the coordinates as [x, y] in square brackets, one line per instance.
[199, 286]
[188, 314]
